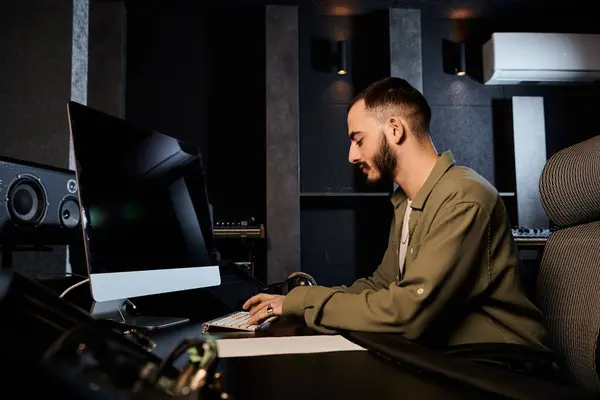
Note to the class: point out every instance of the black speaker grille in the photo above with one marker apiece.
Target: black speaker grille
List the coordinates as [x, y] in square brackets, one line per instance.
[27, 200]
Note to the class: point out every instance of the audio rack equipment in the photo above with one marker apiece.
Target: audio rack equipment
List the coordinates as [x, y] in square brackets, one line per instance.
[243, 242]
[530, 236]
[239, 230]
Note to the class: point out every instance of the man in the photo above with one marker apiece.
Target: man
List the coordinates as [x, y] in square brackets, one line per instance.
[449, 275]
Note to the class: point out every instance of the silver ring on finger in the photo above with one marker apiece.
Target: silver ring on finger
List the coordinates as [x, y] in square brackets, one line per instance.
[270, 310]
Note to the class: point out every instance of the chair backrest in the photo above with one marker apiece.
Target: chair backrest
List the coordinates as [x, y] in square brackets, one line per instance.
[568, 284]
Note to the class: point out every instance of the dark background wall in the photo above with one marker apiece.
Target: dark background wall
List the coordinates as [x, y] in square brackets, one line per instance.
[167, 59]
[35, 86]
[198, 72]
[469, 118]
[36, 43]
[344, 223]
[342, 234]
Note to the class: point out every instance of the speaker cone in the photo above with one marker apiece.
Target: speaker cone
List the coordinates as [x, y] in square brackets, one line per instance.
[68, 213]
[27, 201]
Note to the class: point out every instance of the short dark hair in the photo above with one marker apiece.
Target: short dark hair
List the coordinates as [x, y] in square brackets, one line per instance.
[390, 95]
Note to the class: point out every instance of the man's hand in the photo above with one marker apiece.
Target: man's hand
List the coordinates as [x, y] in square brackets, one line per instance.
[259, 307]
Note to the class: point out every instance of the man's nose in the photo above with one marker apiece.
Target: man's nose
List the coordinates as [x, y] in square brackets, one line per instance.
[353, 154]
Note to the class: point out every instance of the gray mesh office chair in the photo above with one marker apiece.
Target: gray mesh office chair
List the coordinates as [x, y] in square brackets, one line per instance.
[568, 284]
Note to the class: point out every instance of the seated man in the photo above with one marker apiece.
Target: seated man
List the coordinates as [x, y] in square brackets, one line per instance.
[449, 275]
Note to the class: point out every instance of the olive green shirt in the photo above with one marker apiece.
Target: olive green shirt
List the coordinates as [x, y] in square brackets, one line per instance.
[460, 283]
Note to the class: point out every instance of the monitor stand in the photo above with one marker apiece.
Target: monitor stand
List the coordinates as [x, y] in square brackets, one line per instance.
[123, 311]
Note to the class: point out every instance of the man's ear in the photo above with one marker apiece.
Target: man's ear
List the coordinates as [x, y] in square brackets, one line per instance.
[397, 130]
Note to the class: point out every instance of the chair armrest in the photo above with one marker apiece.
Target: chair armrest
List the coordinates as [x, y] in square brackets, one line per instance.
[537, 361]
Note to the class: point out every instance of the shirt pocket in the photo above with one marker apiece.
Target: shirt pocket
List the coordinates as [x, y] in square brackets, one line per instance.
[412, 252]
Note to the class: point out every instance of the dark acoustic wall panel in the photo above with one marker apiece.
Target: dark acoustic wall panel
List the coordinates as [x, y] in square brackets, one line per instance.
[35, 65]
[344, 237]
[570, 117]
[324, 98]
[345, 221]
[283, 202]
[329, 257]
[166, 85]
[107, 57]
[439, 87]
[372, 42]
[371, 45]
[505, 177]
[236, 114]
[406, 60]
[461, 106]
[467, 132]
[324, 147]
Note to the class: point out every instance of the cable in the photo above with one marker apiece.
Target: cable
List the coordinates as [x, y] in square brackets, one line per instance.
[124, 321]
[60, 274]
[73, 287]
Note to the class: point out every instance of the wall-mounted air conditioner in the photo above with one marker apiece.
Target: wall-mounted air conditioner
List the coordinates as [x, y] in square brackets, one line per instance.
[513, 58]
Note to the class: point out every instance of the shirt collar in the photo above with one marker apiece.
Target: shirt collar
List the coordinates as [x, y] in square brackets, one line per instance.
[443, 164]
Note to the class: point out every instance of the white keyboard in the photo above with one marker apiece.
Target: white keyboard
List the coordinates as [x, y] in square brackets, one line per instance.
[236, 321]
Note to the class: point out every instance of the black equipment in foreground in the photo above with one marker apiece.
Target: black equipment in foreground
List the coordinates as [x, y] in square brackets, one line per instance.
[55, 348]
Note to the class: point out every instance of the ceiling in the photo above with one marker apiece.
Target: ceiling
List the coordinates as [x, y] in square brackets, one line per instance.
[456, 9]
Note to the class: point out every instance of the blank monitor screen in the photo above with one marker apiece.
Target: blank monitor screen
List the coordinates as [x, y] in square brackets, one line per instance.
[145, 213]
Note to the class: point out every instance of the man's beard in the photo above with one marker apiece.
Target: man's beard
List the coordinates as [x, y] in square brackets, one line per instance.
[384, 161]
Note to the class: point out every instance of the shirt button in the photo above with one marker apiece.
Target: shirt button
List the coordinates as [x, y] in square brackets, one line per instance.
[420, 291]
[411, 250]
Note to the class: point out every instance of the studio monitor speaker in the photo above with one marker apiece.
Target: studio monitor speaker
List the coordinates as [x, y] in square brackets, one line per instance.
[38, 204]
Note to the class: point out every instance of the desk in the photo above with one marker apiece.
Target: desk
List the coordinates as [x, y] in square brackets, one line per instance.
[416, 373]
[392, 367]
[166, 339]
[348, 374]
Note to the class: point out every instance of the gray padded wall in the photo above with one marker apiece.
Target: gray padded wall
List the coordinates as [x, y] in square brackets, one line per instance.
[405, 46]
[282, 100]
[406, 61]
[530, 157]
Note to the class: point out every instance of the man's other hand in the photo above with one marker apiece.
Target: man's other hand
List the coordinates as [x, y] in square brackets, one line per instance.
[260, 306]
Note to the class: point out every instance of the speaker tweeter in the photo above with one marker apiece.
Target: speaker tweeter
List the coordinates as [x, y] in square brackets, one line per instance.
[69, 214]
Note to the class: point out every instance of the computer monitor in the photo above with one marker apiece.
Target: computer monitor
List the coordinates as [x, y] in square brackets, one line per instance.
[144, 208]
